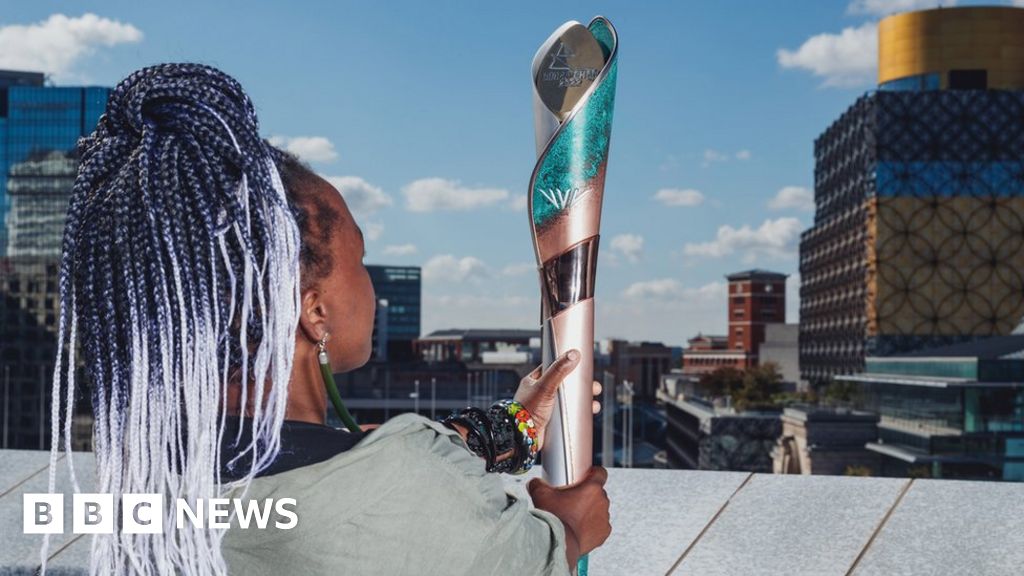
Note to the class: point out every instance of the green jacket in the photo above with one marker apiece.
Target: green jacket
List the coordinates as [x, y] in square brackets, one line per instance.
[410, 498]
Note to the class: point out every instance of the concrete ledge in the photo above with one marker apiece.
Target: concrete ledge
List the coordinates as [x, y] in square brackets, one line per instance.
[702, 523]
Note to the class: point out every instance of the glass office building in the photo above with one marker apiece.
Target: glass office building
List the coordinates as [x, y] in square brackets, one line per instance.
[39, 128]
[949, 412]
[397, 320]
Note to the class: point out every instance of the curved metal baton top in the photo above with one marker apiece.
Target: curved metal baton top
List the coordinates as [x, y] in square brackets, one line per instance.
[574, 92]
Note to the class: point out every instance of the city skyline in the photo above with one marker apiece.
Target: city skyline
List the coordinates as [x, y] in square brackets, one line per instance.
[711, 168]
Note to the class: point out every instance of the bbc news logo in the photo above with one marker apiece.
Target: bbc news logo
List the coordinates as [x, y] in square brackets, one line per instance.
[144, 513]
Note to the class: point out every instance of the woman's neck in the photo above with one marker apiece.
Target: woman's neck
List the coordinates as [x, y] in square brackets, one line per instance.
[307, 399]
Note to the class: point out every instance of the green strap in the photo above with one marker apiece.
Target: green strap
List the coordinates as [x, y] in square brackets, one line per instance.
[339, 406]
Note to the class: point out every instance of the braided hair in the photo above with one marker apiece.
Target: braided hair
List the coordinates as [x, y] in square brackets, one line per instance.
[180, 271]
[316, 216]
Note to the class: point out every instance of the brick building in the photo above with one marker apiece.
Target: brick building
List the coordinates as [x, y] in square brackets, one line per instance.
[757, 298]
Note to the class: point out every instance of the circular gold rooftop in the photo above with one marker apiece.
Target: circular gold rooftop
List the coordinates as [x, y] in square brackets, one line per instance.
[944, 39]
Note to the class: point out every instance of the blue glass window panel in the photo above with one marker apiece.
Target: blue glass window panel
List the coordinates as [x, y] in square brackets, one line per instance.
[930, 81]
[946, 178]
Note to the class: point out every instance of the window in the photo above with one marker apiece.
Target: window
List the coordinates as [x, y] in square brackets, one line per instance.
[968, 79]
[918, 82]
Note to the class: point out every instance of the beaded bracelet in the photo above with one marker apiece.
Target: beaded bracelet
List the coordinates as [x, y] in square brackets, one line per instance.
[505, 427]
[480, 438]
[526, 434]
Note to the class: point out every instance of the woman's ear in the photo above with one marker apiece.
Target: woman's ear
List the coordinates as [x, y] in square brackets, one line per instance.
[313, 316]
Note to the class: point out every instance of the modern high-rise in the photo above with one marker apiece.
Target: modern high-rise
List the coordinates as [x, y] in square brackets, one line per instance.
[918, 234]
[397, 320]
[39, 128]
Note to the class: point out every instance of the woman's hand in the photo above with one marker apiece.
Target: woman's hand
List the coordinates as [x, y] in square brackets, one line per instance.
[582, 507]
[537, 391]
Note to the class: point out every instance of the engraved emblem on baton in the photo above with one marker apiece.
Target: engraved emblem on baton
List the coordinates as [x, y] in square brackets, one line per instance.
[573, 95]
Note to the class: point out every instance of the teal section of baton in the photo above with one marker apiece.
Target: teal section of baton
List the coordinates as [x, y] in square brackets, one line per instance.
[578, 152]
[582, 565]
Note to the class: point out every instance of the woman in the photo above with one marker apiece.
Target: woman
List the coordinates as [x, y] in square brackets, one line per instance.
[201, 289]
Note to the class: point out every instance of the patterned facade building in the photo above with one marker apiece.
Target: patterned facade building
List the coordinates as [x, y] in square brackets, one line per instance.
[918, 238]
[918, 234]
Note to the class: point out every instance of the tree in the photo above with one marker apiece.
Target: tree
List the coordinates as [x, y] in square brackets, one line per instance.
[722, 382]
[841, 393]
[750, 389]
[760, 383]
[922, 471]
[857, 471]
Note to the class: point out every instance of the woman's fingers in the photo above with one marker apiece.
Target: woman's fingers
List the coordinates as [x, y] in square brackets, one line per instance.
[596, 407]
[558, 371]
[597, 388]
[534, 375]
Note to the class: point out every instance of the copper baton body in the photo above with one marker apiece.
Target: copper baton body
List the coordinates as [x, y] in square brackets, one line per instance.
[574, 75]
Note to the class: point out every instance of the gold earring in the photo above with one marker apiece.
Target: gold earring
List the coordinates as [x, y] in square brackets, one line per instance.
[322, 347]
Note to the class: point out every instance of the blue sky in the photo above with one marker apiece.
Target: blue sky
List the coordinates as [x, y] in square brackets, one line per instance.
[420, 112]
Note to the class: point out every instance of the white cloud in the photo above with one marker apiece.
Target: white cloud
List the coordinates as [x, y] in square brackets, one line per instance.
[793, 197]
[518, 269]
[846, 59]
[629, 245]
[373, 230]
[430, 194]
[607, 259]
[671, 289]
[361, 196]
[475, 310]
[679, 197]
[672, 162]
[660, 288]
[713, 156]
[308, 148]
[886, 7]
[446, 267]
[517, 203]
[777, 238]
[56, 44]
[399, 249]
[663, 310]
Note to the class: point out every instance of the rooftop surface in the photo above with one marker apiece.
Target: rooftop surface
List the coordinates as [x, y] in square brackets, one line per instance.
[704, 523]
[481, 334]
[758, 274]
